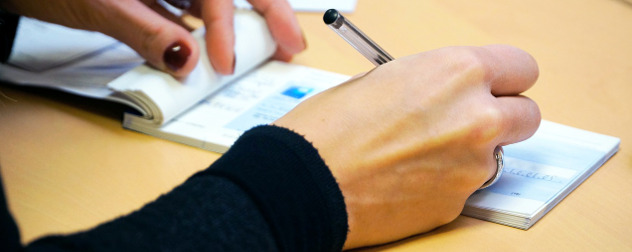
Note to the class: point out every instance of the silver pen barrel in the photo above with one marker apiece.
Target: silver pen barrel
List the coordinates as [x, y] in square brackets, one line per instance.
[356, 38]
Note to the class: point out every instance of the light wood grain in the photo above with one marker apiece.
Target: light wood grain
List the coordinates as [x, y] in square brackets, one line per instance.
[68, 165]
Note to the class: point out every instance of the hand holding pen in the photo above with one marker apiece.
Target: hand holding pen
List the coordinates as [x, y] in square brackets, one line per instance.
[378, 56]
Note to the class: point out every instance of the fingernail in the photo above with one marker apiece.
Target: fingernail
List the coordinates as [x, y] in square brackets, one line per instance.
[176, 56]
[232, 71]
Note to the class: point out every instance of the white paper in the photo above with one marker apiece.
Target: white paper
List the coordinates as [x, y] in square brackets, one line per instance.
[312, 5]
[166, 96]
[259, 97]
[40, 46]
[72, 60]
[539, 172]
[94, 65]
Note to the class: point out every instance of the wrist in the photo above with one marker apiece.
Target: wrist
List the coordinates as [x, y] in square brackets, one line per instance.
[8, 28]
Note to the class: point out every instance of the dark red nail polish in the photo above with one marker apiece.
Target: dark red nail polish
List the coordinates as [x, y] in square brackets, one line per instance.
[176, 55]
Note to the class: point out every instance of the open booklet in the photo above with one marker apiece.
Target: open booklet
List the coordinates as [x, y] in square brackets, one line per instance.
[205, 109]
[211, 111]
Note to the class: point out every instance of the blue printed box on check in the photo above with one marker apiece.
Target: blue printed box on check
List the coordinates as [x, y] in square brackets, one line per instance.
[297, 92]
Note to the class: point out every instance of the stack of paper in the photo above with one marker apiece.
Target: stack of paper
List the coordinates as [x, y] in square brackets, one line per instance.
[539, 173]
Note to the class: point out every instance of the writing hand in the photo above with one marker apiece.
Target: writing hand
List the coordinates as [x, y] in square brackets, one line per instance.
[411, 140]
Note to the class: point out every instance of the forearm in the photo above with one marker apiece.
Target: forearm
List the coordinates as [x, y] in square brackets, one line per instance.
[270, 192]
[205, 213]
[8, 28]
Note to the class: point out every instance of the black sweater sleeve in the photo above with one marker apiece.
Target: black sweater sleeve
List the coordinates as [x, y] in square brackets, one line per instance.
[8, 28]
[270, 192]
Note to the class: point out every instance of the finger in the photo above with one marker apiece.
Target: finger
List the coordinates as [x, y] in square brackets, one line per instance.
[164, 44]
[511, 71]
[283, 26]
[217, 16]
[520, 119]
[158, 7]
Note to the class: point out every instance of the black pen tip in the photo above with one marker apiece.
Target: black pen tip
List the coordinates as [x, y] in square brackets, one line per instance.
[330, 16]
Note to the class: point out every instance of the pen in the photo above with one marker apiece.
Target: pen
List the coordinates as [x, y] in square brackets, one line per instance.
[356, 38]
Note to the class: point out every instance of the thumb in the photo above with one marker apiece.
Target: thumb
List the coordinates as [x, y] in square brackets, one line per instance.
[164, 44]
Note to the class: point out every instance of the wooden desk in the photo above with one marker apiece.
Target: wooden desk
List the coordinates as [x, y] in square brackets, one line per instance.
[68, 165]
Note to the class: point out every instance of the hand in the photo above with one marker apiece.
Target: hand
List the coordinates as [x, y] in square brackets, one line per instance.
[411, 140]
[159, 36]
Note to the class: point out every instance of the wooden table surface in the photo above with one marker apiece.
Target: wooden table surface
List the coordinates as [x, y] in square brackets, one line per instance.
[67, 164]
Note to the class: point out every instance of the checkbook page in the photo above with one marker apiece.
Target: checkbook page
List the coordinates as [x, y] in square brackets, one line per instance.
[259, 97]
[541, 170]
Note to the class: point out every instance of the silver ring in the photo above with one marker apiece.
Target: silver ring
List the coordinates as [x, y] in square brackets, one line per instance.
[500, 164]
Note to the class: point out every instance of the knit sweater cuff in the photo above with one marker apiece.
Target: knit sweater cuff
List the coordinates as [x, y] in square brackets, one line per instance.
[8, 28]
[291, 185]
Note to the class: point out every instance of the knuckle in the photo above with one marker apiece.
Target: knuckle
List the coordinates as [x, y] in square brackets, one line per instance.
[150, 34]
[470, 63]
[487, 124]
[149, 41]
